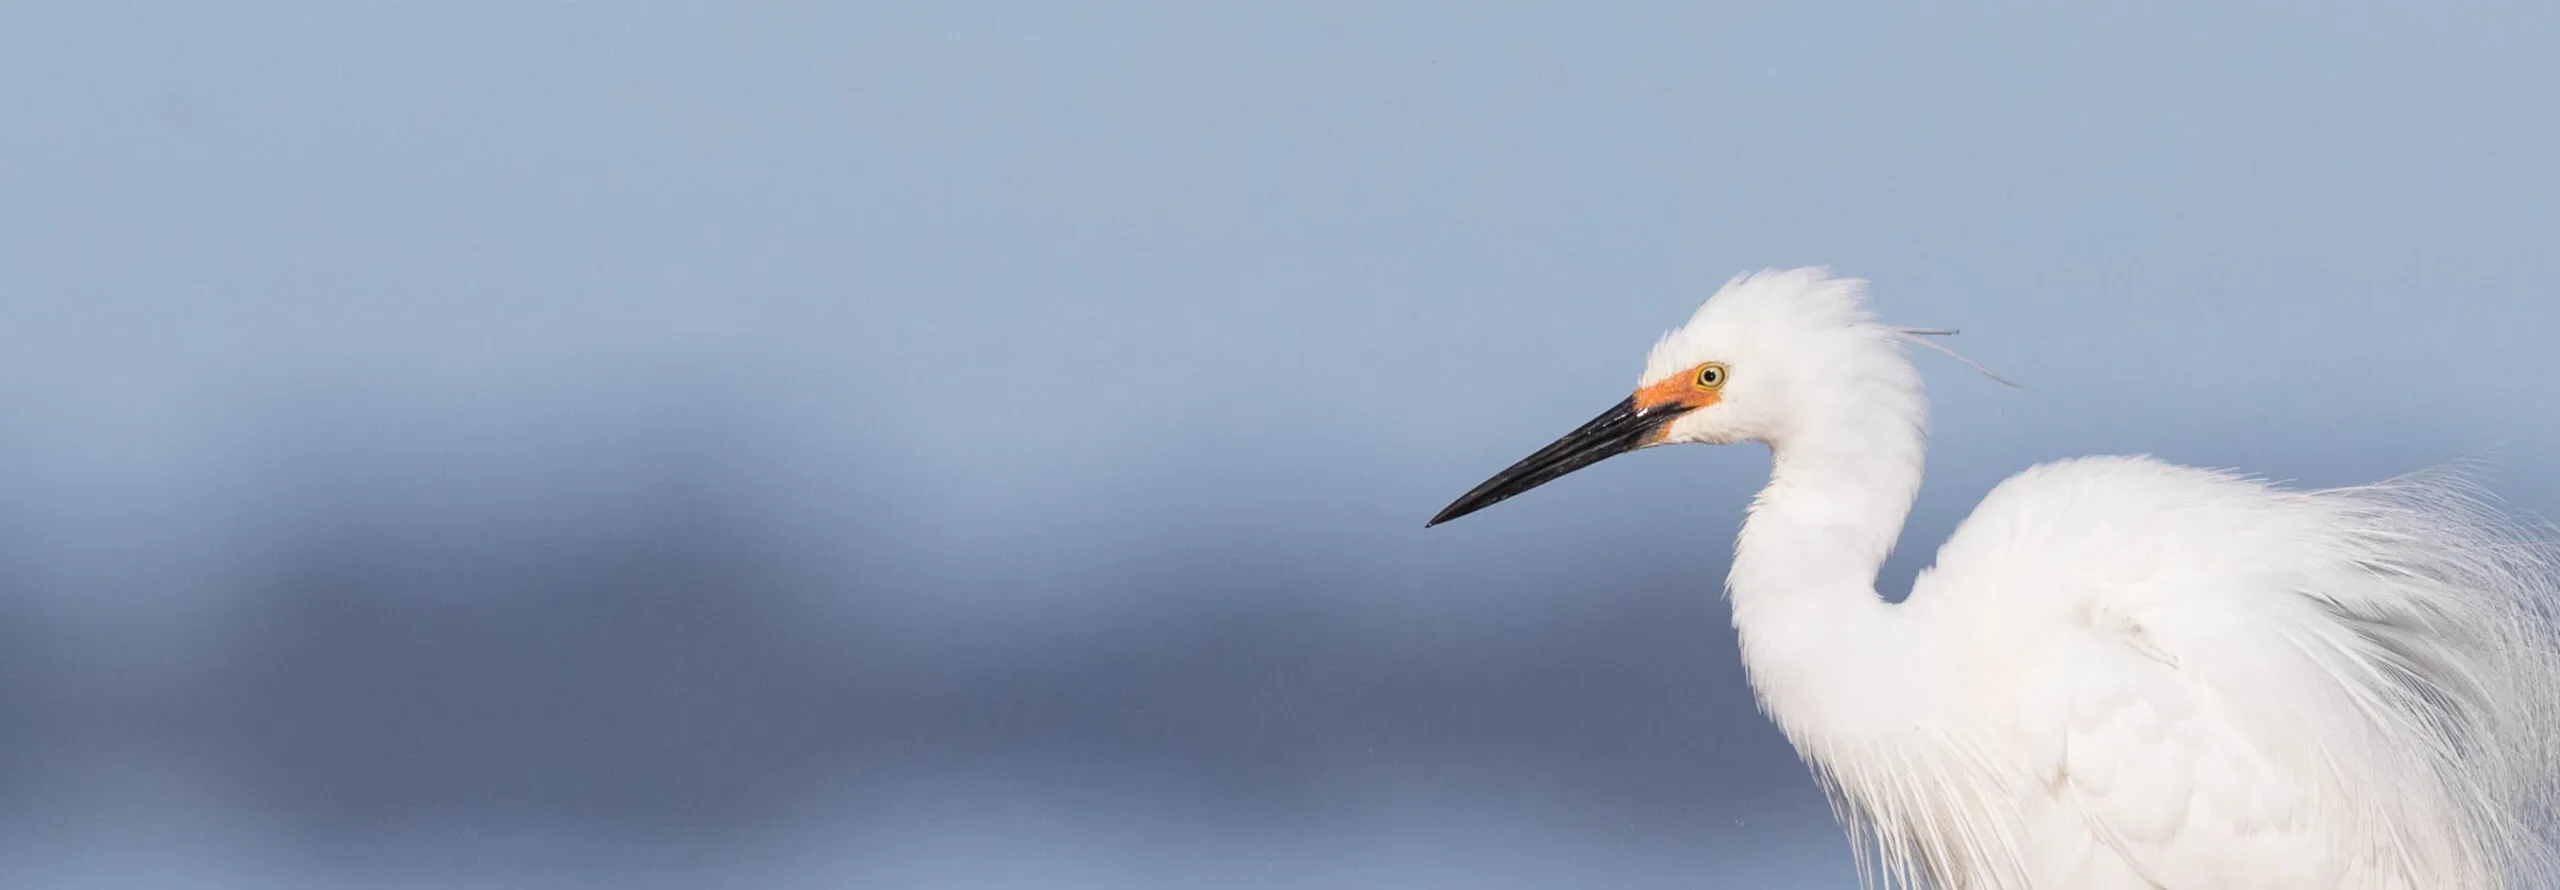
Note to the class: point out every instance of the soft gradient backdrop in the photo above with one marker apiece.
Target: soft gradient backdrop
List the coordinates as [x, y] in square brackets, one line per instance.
[985, 445]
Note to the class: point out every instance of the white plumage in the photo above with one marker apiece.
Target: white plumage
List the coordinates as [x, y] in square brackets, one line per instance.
[2120, 673]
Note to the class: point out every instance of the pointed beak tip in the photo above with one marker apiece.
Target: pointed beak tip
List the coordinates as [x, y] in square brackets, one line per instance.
[1621, 429]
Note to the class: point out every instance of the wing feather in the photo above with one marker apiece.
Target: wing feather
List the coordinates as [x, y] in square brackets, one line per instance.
[2214, 677]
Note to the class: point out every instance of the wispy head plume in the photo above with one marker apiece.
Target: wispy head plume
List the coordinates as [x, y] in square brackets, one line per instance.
[1917, 335]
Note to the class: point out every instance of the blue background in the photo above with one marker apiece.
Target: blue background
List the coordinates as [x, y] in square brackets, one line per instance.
[986, 444]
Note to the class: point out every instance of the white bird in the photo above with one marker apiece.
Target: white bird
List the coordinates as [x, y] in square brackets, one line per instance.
[2120, 673]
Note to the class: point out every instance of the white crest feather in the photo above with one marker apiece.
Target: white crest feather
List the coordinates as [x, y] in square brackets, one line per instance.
[1916, 335]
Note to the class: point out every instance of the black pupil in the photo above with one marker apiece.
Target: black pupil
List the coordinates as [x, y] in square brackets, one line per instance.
[1708, 376]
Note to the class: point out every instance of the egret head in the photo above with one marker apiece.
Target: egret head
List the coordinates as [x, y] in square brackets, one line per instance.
[1769, 355]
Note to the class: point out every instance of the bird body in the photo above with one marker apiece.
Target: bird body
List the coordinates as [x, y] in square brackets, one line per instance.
[2182, 678]
[2119, 672]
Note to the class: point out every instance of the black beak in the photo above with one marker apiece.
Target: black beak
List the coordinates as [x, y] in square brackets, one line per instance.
[1615, 432]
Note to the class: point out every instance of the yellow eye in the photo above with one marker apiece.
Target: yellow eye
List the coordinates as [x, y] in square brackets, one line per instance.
[1711, 375]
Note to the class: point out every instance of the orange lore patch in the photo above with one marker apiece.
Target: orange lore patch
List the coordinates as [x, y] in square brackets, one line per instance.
[1681, 387]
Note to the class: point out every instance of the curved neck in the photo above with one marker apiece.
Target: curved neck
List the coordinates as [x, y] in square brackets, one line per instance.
[1816, 639]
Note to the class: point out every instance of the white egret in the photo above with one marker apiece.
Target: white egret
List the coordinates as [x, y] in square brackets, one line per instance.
[2120, 673]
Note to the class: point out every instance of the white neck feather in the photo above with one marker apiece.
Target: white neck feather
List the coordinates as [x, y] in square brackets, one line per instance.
[1820, 647]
